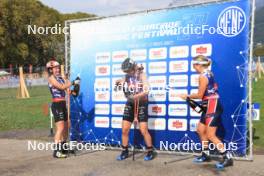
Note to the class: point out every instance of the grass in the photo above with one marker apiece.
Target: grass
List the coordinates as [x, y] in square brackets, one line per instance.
[258, 97]
[23, 113]
[28, 113]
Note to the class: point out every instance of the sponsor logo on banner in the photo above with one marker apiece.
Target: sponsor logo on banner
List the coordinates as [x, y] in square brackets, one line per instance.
[177, 124]
[157, 81]
[102, 57]
[179, 52]
[157, 109]
[195, 80]
[118, 109]
[193, 113]
[102, 96]
[116, 122]
[178, 80]
[102, 83]
[156, 95]
[102, 70]
[194, 124]
[178, 66]
[102, 109]
[138, 55]
[157, 53]
[231, 21]
[101, 122]
[202, 49]
[116, 70]
[114, 79]
[157, 67]
[174, 94]
[157, 124]
[177, 110]
[118, 96]
[119, 56]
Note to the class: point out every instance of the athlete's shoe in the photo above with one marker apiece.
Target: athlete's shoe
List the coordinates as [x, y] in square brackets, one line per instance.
[150, 155]
[58, 154]
[203, 158]
[227, 161]
[123, 155]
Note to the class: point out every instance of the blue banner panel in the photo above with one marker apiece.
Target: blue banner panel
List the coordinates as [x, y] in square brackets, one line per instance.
[164, 42]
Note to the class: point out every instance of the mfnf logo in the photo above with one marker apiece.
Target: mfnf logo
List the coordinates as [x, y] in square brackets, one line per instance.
[231, 21]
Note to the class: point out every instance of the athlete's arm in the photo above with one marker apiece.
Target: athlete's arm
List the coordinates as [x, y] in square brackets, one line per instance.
[58, 85]
[145, 86]
[203, 82]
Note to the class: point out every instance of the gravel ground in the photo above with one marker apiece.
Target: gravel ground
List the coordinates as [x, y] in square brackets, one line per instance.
[15, 159]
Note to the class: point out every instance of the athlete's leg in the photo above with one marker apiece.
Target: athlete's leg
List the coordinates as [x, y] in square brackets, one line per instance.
[58, 138]
[143, 126]
[126, 125]
[201, 130]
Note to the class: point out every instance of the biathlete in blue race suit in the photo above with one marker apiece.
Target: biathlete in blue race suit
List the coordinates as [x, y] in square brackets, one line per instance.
[208, 92]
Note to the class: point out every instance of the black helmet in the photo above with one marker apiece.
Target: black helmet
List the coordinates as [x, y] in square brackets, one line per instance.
[128, 64]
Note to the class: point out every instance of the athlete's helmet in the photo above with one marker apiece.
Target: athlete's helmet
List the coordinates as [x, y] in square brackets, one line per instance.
[128, 64]
[202, 60]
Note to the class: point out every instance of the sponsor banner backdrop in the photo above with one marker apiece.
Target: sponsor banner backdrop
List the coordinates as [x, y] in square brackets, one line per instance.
[164, 42]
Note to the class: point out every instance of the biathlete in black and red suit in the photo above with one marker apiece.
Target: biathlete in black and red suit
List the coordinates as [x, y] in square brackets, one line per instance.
[137, 103]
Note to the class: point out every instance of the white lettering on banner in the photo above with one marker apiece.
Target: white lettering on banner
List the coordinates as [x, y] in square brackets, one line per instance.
[202, 49]
[193, 113]
[157, 81]
[179, 51]
[178, 80]
[102, 96]
[157, 53]
[118, 109]
[138, 55]
[177, 124]
[177, 110]
[231, 21]
[102, 70]
[174, 94]
[116, 122]
[157, 123]
[118, 96]
[116, 70]
[103, 57]
[195, 80]
[102, 109]
[157, 109]
[101, 122]
[157, 67]
[194, 124]
[179, 66]
[102, 83]
[119, 56]
[157, 95]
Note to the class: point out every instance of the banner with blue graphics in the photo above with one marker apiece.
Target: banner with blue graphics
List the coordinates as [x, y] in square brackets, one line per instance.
[164, 42]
